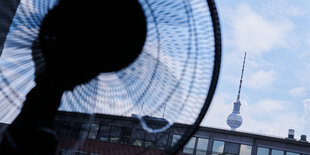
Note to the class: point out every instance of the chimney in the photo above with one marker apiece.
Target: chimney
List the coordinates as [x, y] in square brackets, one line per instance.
[303, 138]
[291, 133]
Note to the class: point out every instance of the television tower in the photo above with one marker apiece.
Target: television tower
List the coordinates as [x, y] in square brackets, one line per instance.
[234, 120]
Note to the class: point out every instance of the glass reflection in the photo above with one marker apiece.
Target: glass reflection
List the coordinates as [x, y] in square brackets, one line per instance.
[231, 148]
[218, 147]
[245, 149]
[189, 146]
[292, 153]
[93, 131]
[262, 151]
[175, 139]
[276, 152]
[202, 146]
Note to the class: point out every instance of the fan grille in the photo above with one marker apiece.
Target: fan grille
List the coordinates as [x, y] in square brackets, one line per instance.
[173, 78]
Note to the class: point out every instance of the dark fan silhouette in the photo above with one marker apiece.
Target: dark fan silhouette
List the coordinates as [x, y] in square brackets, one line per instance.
[76, 48]
[144, 60]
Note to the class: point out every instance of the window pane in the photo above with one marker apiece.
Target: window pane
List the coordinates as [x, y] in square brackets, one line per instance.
[148, 144]
[189, 146]
[93, 131]
[175, 139]
[114, 139]
[150, 136]
[161, 140]
[262, 151]
[115, 131]
[137, 142]
[115, 134]
[245, 149]
[218, 147]
[125, 135]
[276, 152]
[291, 153]
[84, 130]
[231, 148]
[202, 146]
[138, 134]
[104, 133]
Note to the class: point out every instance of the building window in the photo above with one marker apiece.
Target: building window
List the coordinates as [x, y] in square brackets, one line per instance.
[93, 131]
[71, 152]
[245, 149]
[231, 148]
[137, 142]
[202, 146]
[277, 152]
[143, 143]
[84, 131]
[148, 144]
[175, 139]
[115, 134]
[189, 146]
[138, 134]
[218, 147]
[292, 153]
[104, 133]
[150, 137]
[161, 140]
[125, 135]
[142, 138]
[262, 151]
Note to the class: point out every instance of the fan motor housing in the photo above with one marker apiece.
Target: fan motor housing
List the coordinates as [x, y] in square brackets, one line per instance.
[79, 39]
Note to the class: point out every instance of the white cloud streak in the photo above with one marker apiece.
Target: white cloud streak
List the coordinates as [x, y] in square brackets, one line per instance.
[298, 91]
[257, 34]
[261, 80]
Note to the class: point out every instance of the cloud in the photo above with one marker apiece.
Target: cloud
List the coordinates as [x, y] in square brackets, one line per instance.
[257, 34]
[264, 34]
[272, 117]
[218, 111]
[267, 107]
[283, 8]
[298, 91]
[261, 79]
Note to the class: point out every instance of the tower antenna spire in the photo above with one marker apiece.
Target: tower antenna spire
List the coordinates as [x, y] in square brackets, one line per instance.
[234, 120]
[238, 97]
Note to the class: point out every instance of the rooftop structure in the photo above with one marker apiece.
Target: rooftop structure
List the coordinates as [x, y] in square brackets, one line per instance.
[99, 134]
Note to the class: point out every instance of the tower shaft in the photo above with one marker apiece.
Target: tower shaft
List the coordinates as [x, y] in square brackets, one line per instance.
[240, 84]
[234, 120]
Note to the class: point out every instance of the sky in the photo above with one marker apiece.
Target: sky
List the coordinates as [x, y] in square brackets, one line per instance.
[181, 68]
[276, 84]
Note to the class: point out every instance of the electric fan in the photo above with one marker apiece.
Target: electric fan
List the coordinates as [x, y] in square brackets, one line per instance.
[155, 62]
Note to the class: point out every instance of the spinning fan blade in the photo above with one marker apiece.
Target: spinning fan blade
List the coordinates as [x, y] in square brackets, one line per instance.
[171, 81]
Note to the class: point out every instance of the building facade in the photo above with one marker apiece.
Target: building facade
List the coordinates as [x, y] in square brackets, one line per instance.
[103, 134]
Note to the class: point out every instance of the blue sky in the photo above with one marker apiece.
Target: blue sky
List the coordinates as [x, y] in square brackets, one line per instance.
[275, 94]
